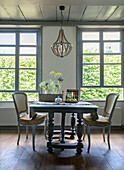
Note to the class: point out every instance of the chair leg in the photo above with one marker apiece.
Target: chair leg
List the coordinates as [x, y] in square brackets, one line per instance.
[88, 133]
[108, 137]
[26, 132]
[103, 134]
[84, 132]
[18, 134]
[33, 136]
[45, 129]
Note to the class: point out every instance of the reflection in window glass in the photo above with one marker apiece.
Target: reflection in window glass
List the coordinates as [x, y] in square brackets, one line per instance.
[7, 38]
[99, 93]
[7, 50]
[112, 75]
[111, 35]
[91, 75]
[90, 47]
[27, 50]
[7, 61]
[7, 77]
[91, 59]
[112, 47]
[27, 62]
[112, 58]
[27, 38]
[90, 35]
[27, 80]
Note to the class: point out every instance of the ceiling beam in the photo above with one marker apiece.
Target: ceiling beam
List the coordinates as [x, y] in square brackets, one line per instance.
[57, 23]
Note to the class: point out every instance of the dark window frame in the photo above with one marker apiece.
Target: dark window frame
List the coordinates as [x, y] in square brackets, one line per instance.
[79, 63]
[17, 31]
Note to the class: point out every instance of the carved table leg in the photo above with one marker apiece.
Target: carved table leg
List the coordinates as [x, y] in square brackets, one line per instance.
[50, 131]
[62, 137]
[72, 126]
[79, 132]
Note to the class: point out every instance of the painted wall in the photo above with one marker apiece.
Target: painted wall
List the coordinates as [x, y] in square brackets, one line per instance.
[67, 66]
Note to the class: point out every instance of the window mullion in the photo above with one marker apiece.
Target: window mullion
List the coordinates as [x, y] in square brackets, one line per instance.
[38, 61]
[101, 60]
[79, 70]
[17, 63]
[122, 58]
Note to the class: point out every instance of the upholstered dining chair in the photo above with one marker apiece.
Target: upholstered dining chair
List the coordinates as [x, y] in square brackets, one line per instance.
[102, 121]
[21, 106]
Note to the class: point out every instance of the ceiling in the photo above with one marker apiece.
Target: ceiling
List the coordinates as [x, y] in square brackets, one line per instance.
[47, 11]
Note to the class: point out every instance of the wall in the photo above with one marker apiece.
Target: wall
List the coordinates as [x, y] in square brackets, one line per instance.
[67, 66]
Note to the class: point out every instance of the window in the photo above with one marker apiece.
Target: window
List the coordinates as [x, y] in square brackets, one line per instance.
[100, 64]
[20, 61]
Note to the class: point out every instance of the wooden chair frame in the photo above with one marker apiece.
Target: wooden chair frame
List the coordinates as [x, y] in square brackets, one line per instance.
[103, 127]
[24, 124]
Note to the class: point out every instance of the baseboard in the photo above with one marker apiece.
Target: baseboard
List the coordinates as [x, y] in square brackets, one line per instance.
[56, 127]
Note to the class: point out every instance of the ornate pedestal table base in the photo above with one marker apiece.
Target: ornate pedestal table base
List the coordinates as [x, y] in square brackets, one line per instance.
[64, 109]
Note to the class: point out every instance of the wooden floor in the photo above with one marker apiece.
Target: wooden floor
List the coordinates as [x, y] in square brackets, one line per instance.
[13, 157]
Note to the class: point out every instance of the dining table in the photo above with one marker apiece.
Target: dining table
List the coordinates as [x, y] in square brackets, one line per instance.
[64, 108]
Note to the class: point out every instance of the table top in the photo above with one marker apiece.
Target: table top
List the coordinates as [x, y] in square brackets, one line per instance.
[81, 104]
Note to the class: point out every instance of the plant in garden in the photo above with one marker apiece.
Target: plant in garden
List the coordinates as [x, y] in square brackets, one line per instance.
[91, 76]
[53, 85]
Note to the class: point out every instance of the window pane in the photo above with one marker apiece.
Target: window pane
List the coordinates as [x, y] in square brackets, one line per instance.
[99, 93]
[7, 61]
[111, 35]
[32, 96]
[7, 77]
[90, 35]
[27, 80]
[112, 58]
[7, 38]
[113, 47]
[112, 75]
[90, 47]
[27, 38]
[91, 75]
[27, 50]
[91, 59]
[6, 96]
[27, 62]
[7, 50]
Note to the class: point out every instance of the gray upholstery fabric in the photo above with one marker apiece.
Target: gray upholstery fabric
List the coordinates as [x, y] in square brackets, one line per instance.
[21, 102]
[109, 105]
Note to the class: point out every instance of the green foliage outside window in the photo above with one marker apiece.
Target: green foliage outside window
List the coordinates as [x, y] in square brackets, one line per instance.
[91, 76]
[27, 62]
[7, 96]
[98, 93]
[27, 77]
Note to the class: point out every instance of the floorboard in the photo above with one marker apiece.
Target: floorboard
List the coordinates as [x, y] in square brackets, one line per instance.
[22, 157]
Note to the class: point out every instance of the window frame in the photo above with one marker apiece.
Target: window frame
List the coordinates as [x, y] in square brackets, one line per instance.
[17, 31]
[79, 64]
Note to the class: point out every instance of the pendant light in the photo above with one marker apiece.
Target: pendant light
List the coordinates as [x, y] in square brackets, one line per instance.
[61, 47]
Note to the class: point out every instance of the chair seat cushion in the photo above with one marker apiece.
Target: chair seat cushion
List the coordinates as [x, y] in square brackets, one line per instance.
[87, 119]
[37, 119]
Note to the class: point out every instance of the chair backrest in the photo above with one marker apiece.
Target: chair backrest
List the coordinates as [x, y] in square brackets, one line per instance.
[20, 101]
[111, 100]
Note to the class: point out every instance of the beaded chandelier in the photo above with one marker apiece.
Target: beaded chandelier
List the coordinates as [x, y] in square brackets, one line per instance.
[61, 47]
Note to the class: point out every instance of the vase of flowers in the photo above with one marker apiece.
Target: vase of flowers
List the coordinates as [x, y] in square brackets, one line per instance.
[51, 88]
